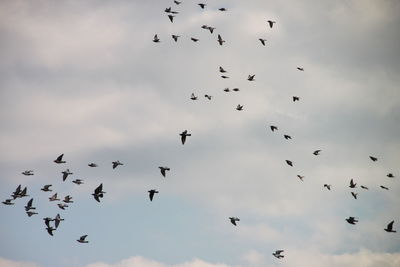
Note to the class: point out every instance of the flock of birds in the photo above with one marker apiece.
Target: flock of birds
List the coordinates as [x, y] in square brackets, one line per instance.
[98, 192]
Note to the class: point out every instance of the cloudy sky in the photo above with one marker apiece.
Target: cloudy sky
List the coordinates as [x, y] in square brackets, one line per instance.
[84, 78]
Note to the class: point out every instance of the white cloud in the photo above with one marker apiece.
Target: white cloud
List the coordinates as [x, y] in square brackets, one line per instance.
[11, 263]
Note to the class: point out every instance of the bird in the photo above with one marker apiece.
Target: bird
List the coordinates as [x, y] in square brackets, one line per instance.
[328, 186]
[8, 202]
[208, 97]
[277, 254]
[316, 152]
[354, 195]
[17, 192]
[57, 220]
[47, 221]
[20, 193]
[93, 165]
[251, 77]
[54, 197]
[202, 5]
[177, 2]
[175, 37]
[194, 39]
[163, 169]
[222, 9]
[171, 18]
[115, 164]
[226, 89]
[98, 193]
[78, 181]
[183, 135]
[30, 213]
[224, 77]
[390, 175]
[68, 199]
[373, 158]
[193, 97]
[364, 187]
[234, 220]
[65, 174]
[151, 193]
[59, 160]
[222, 70]
[352, 184]
[220, 40]
[82, 239]
[296, 98]
[384, 187]
[389, 228]
[156, 39]
[300, 68]
[262, 41]
[287, 137]
[271, 23]
[239, 107]
[27, 173]
[235, 89]
[289, 163]
[167, 10]
[28, 206]
[50, 230]
[46, 188]
[211, 29]
[62, 206]
[300, 177]
[273, 128]
[352, 220]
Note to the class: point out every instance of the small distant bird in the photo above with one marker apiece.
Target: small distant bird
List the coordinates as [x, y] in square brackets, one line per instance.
[8, 202]
[273, 128]
[57, 220]
[296, 98]
[47, 221]
[352, 184]
[167, 10]
[98, 193]
[30, 213]
[300, 68]
[115, 164]
[226, 89]
[289, 163]
[234, 220]
[17, 192]
[235, 89]
[271, 23]
[251, 77]
[68, 199]
[262, 41]
[300, 177]
[208, 97]
[50, 230]
[277, 254]
[390, 175]
[175, 37]
[27, 173]
[389, 228]
[46, 188]
[287, 137]
[364, 187]
[202, 5]
[177, 2]
[151, 193]
[222, 9]
[220, 40]
[193, 97]
[183, 135]
[222, 70]
[156, 39]
[373, 158]
[328, 186]
[171, 18]
[59, 159]
[239, 107]
[384, 187]
[211, 29]
[78, 181]
[194, 39]
[29, 206]
[62, 206]
[163, 169]
[352, 220]
[23, 193]
[93, 165]
[354, 195]
[65, 174]
[224, 77]
[316, 152]
[82, 239]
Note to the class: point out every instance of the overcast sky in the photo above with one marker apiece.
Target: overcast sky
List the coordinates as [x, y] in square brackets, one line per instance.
[84, 78]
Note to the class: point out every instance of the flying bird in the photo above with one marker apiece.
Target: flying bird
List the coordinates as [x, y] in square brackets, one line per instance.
[202, 5]
[251, 77]
[277, 254]
[296, 98]
[208, 97]
[183, 135]
[194, 39]
[373, 158]
[151, 193]
[300, 68]
[354, 195]
[289, 163]
[221, 69]
[235, 89]
[46, 188]
[273, 128]
[8, 202]
[163, 169]
[239, 107]
[226, 89]
[59, 160]
[82, 239]
[50, 230]
[384, 187]
[352, 184]
[389, 228]
[262, 41]
[171, 18]
[222, 9]
[175, 37]
[98, 193]
[62, 206]
[271, 23]
[234, 220]
[30, 213]
[220, 40]
[54, 197]
[93, 165]
[300, 177]
[57, 220]
[68, 199]
[316, 152]
[23, 193]
[224, 77]
[352, 220]
[27, 173]
[17, 192]
[115, 164]
[390, 175]
[328, 186]
[364, 187]
[156, 39]
[177, 2]
[65, 174]
[78, 181]
[193, 97]
[47, 221]
[287, 137]
[29, 206]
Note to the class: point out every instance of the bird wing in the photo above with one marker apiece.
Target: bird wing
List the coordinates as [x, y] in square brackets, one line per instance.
[59, 158]
[390, 225]
[183, 139]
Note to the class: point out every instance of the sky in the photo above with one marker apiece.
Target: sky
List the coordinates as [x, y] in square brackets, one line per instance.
[84, 78]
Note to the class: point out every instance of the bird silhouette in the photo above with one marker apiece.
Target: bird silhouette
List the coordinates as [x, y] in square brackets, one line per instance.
[222, 9]
[271, 23]
[177, 2]
[30, 213]
[92, 165]
[115, 164]
[171, 18]
[222, 70]
[151, 193]
[352, 220]
[78, 181]
[235, 89]
[62, 206]
[59, 160]
[194, 39]
[389, 228]
[300, 68]
[296, 98]
[328, 186]
[224, 77]
[82, 239]
[163, 169]
[239, 107]
[384, 187]
[352, 184]
[262, 41]
[65, 174]
[234, 220]
[364, 187]
[354, 195]
[390, 175]
[316, 152]
[300, 177]
[8, 202]
[29, 206]
[193, 97]
[273, 128]
[202, 5]
[208, 96]
[287, 137]
[98, 193]
[183, 135]
[290, 163]
[251, 77]
[175, 37]
[47, 221]
[226, 89]
[220, 40]
[156, 39]
[27, 173]
[277, 254]
[57, 220]
[50, 230]
[68, 199]
[54, 197]
[373, 158]
[46, 188]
